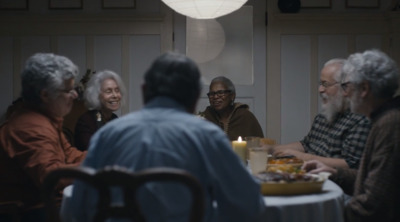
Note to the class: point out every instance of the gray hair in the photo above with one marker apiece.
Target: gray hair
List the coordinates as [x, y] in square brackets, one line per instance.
[375, 67]
[45, 71]
[93, 88]
[339, 62]
[225, 81]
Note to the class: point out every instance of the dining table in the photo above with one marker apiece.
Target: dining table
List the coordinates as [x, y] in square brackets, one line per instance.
[324, 206]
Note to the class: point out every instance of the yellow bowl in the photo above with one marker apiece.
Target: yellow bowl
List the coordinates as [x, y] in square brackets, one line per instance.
[291, 188]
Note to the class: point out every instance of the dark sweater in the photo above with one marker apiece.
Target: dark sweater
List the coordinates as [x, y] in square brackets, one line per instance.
[86, 126]
[241, 122]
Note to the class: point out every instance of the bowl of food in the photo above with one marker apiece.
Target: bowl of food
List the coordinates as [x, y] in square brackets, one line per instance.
[284, 160]
[283, 183]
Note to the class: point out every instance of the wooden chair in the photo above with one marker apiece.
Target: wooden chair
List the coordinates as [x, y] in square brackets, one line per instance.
[129, 182]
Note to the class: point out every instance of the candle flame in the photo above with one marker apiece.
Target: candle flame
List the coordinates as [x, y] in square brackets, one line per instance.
[239, 139]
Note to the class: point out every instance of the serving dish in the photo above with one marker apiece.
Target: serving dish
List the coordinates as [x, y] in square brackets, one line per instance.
[294, 186]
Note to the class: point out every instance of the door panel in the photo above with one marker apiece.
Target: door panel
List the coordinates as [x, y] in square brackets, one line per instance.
[143, 50]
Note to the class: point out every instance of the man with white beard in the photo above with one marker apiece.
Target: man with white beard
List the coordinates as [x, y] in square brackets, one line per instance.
[337, 137]
[370, 80]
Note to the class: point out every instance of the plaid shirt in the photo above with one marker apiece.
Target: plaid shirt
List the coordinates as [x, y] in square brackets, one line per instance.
[344, 138]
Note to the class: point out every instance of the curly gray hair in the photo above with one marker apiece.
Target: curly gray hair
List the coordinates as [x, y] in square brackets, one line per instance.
[93, 88]
[45, 71]
[375, 67]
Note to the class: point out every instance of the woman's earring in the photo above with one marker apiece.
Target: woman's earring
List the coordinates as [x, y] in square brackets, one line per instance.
[232, 102]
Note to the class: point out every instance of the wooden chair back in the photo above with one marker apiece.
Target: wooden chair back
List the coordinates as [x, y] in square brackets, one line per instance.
[129, 182]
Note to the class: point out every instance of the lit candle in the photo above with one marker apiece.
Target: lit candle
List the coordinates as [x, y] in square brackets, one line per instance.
[239, 147]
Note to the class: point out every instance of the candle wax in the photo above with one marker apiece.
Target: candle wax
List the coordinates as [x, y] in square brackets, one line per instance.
[239, 147]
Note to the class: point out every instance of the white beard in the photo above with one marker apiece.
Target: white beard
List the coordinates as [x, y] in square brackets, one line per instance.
[335, 105]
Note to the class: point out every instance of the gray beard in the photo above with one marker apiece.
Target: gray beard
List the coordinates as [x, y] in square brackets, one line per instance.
[333, 107]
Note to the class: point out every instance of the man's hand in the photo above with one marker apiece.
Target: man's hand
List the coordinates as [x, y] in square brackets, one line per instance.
[288, 152]
[315, 167]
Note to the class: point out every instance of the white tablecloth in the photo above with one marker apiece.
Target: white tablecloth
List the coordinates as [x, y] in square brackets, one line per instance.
[326, 206]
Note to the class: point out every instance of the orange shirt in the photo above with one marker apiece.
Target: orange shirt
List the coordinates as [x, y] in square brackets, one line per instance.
[31, 145]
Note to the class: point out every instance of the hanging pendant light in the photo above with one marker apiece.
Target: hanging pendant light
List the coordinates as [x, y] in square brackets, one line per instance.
[205, 39]
[204, 9]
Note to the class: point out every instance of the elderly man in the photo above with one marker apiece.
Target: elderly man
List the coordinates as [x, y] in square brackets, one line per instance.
[337, 136]
[31, 141]
[166, 133]
[370, 80]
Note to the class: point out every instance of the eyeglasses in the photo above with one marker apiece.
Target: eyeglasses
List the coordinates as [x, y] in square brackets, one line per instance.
[345, 85]
[219, 93]
[326, 84]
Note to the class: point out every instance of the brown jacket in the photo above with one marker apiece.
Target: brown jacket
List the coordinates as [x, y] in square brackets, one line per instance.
[241, 122]
[31, 145]
[375, 186]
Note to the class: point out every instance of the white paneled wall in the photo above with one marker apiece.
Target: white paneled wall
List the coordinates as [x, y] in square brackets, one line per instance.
[295, 86]
[143, 50]
[74, 47]
[107, 53]
[364, 42]
[331, 46]
[33, 44]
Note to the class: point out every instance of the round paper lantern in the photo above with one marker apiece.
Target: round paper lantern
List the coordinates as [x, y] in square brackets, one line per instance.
[205, 39]
[204, 9]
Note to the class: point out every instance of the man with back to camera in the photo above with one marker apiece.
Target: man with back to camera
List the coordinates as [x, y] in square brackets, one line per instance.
[370, 80]
[337, 136]
[166, 133]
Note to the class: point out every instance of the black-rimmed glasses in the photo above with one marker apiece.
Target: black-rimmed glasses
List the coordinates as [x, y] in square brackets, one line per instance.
[218, 93]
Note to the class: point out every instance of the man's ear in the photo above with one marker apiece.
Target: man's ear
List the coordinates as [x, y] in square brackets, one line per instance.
[44, 96]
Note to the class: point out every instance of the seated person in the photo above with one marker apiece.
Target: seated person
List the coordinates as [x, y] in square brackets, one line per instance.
[234, 118]
[337, 136]
[31, 140]
[103, 96]
[165, 133]
[370, 80]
